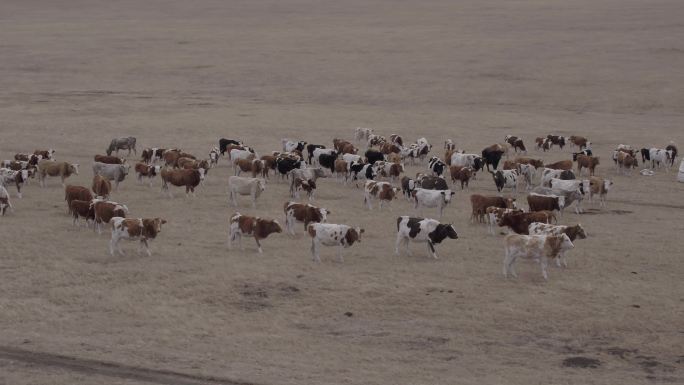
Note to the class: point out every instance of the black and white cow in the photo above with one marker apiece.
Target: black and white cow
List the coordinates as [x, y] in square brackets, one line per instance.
[425, 230]
[362, 171]
[373, 156]
[291, 145]
[506, 179]
[436, 166]
[310, 148]
[329, 234]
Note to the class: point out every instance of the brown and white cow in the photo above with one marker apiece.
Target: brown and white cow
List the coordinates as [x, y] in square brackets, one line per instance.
[45, 154]
[537, 247]
[586, 161]
[307, 185]
[382, 191]
[573, 232]
[305, 213]
[109, 159]
[148, 171]
[578, 141]
[327, 234]
[520, 222]
[259, 228]
[560, 165]
[142, 229]
[102, 187]
[181, 177]
[51, 168]
[494, 214]
[253, 166]
[72, 193]
[104, 211]
[480, 203]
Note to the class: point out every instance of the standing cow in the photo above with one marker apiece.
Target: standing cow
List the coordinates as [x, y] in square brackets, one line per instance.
[117, 144]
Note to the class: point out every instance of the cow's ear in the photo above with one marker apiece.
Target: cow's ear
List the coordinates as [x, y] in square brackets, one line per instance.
[444, 193]
[453, 193]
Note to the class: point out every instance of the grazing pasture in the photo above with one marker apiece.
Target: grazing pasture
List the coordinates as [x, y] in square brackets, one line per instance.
[182, 75]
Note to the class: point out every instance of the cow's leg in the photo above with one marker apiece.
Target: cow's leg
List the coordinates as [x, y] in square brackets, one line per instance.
[112, 244]
[314, 250]
[339, 254]
[238, 236]
[254, 198]
[544, 264]
[398, 242]
[431, 249]
[147, 247]
[258, 244]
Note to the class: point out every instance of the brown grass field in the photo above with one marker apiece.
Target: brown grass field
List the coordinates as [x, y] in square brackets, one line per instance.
[74, 74]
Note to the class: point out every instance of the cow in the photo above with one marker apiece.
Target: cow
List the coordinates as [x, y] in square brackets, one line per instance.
[152, 155]
[373, 156]
[349, 158]
[318, 151]
[361, 134]
[396, 139]
[583, 152]
[17, 178]
[505, 179]
[589, 162]
[132, 229]
[236, 154]
[578, 141]
[305, 213]
[238, 185]
[430, 182]
[269, 164]
[480, 203]
[190, 178]
[673, 152]
[258, 228]
[625, 162]
[519, 222]
[5, 202]
[328, 234]
[362, 171]
[15, 165]
[308, 173]
[467, 160]
[537, 163]
[570, 185]
[494, 214]
[72, 193]
[224, 143]
[81, 209]
[548, 174]
[436, 166]
[556, 140]
[190, 163]
[171, 157]
[423, 148]
[347, 148]
[601, 187]
[390, 148]
[115, 172]
[542, 144]
[382, 191]
[407, 186]
[658, 157]
[31, 159]
[327, 161]
[109, 159]
[101, 186]
[492, 155]
[449, 145]
[462, 174]
[421, 230]
[44, 154]
[527, 172]
[391, 170]
[311, 148]
[516, 143]
[254, 166]
[290, 145]
[539, 202]
[573, 233]
[571, 196]
[51, 168]
[117, 144]
[566, 175]
[341, 169]
[537, 247]
[104, 211]
[375, 140]
[214, 155]
[432, 198]
[308, 185]
[560, 165]
[285, 165]
[146, 171]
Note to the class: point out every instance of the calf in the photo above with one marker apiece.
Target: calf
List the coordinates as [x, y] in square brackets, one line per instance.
[556, 140]
[146, 171]
[589, 162]
[573, 232]
[290, 145]
[5, 202]
[505, 179]
[189, 179]
[480, 203]
[254, 166]
[382, 191]
[601, 187]
[407, 186]
[72, 193]
[625, 162]
[425, 230]
[142, 229]
[81, 209]
[214, 155]
[342, 168]
[519, 222]
[361, 134]
[326, 234]
[259, 228]
[537, 247]
[462, 174]
[152, 155]
[308, 185]
[109, 159]
[101, 186]
[305, 213]
[269, 164]
[432, 198]
[238, 185]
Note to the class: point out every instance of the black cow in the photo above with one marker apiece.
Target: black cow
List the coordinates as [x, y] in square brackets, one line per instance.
[285, 165]
[492, 155]
[437, 166]
[328, 161]
[223, 143]
[373, 156]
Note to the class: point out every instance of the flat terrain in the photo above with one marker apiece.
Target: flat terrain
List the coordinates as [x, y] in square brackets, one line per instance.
[74, 74]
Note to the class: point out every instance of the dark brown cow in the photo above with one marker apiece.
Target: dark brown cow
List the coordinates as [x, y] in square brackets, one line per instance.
[516, 143]
[82, 209]
[537, 163]
[181, 177]
[269, 164]
[306, 213]
[102, 187]
[254, 166]
[560, 165]
[462, 174]
[578, 141]
[520, 222]
[104, 211]
[259, 228]
[538, 202]
[109, 159]
[72, 193]
[389, 148]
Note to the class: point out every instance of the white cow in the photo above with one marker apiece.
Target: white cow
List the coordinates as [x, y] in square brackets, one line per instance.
[5, 202]
[537, 247]
[329, 234]
[432, 198]
[548, 174]
[238, 185]
[235, 154]
[349, 158]
[421, 230]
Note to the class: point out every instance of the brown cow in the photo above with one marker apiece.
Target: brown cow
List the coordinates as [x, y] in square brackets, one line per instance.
[51, 168]
[146, 171]
[259, 228]
[181, 177]
[190, 163]
[72, 193]
[269, 164]
[171, 157]
[389, 148]
[480, 203]
[82, 209]
[102, 187]
[255, 166]
[109, 159]
[463, 174]
[586, 161]
[306, 213]
[104, 211]
[578, 141]
[560, 165]
[510, 165]
[520, 222]
[537, 163]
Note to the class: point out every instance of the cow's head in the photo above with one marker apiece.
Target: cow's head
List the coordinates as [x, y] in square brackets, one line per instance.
[446, 195]
[561, 202]
[202, 172]
[511, 203]
[73, 168]
[324, 214]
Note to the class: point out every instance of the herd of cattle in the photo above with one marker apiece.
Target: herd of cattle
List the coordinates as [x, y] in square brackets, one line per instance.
[534, 232]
